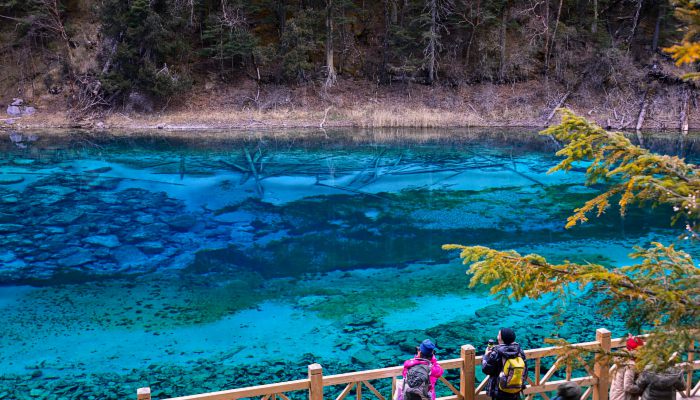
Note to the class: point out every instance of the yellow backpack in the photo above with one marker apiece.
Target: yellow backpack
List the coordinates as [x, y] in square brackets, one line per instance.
[512, 378]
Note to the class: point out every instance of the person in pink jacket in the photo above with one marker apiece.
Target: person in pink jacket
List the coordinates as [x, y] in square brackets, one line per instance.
[425, 356]
[623, 378]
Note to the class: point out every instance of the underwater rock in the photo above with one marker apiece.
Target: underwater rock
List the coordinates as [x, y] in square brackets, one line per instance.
[143, 234]
[109, 241]
[56, 244]
[151, 247]
[99, 170]
[54, 194]
[234, 217]
[7, 256]
[145, 219]
[103, 183]
[579, 189]
[360, 320]
[80, 257]
[10, 179]
[5, 218]
[182, 223]
[54, 230]
[14, 265]
[407, 340]
[102, 252]
[364, 357]
[9, 199]
[55, 190]
[493, 311]
[67, 217]
[8, 228]
[243, 237]
[42, 256]
[129, 257]
[312, 300]
[23, 161]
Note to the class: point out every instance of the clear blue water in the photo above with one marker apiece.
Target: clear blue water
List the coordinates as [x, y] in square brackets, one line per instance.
[200, 265]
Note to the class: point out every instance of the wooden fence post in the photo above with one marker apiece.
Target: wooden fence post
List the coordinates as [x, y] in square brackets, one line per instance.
[467, 377]
[316, 382]
[143, 393]
[602, 365]
[689, 378]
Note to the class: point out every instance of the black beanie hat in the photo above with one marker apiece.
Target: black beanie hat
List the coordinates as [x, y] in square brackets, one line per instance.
[507, 335]
[569, 391]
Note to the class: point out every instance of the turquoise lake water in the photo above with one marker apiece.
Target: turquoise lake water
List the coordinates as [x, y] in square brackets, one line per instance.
[202, 265]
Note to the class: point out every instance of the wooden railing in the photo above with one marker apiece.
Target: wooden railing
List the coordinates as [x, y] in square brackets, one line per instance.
[596, 383]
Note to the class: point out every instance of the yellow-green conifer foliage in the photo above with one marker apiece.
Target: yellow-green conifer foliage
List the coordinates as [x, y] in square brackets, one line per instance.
[659, 294]
[688, 51]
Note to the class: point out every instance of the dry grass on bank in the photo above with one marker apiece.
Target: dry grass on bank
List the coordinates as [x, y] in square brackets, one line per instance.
[416, 118]
[359, 104]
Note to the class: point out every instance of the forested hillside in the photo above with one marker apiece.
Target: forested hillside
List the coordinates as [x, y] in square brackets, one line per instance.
[514, 59]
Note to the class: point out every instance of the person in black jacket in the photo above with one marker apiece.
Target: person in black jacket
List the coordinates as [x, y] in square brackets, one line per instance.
[659, 385]
[494, 360]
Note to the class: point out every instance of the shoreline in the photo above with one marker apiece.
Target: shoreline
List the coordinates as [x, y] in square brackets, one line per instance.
[376, 116]
[266, 121]
[351, 104]
[124, 125]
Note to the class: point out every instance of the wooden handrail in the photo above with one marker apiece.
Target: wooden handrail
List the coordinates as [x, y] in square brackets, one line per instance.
[597, 381]
[261, 390]
[350, 377]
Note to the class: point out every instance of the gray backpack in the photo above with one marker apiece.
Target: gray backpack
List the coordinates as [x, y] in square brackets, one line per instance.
[416, 386]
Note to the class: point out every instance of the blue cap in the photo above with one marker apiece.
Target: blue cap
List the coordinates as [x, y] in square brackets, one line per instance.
[427, 347]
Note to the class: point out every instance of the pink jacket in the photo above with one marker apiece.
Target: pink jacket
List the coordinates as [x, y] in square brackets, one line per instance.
[435, 371]
[622, 381]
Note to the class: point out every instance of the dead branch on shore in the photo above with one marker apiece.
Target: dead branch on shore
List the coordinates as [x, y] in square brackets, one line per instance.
[325, 114]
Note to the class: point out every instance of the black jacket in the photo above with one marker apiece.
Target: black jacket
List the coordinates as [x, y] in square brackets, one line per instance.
[492, 365]
[658, 385]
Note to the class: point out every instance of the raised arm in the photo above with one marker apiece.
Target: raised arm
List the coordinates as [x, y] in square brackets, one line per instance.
[489, 363]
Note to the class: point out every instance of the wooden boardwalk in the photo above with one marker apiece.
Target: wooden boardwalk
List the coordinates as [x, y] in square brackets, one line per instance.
[595, 383]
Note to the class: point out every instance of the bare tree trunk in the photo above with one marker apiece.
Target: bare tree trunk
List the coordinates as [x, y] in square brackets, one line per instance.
[594, 25]
[384, 74]
[557, 107]
[546, 40]
[475, 23]
[635, 22]
[402, 15]
[503, 32]
[642, 113]
[657, 26]
[684, 110]
[554, 37]
[430, 51]
[281, 16]
[331, 77]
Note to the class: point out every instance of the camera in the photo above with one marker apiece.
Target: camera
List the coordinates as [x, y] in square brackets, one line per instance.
[490, 344]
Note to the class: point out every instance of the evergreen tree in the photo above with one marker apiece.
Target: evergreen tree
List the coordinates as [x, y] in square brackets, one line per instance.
[299, 43]
[227, 38]
[149, 46]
